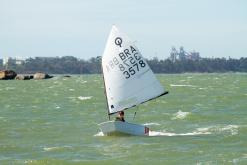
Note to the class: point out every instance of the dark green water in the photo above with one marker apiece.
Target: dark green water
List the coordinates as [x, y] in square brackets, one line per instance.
[203, 120]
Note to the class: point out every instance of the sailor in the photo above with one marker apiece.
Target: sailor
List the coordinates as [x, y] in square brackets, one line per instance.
[120, 116]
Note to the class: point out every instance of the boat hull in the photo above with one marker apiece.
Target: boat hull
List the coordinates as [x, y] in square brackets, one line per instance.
[119, 127]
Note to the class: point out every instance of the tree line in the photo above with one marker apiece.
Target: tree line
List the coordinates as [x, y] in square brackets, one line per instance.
[73, 65]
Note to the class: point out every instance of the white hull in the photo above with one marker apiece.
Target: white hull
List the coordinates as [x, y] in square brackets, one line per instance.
[119, 127]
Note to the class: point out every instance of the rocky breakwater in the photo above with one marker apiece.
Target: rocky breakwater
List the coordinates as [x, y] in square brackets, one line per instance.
[39, 76]
[24, 77]
[7, 74]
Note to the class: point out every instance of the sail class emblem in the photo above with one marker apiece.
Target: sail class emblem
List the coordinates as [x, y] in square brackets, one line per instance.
[118, 41]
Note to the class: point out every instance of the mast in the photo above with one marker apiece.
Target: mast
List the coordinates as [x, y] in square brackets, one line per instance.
[108, 112]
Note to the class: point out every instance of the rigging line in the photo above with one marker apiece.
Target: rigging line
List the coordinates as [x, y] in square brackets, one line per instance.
[134, 116]
[135, 112]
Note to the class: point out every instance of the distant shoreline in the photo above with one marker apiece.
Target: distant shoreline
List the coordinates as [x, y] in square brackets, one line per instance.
[72, 65]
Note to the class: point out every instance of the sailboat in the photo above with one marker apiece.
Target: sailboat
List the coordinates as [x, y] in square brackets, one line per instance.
[128, 82]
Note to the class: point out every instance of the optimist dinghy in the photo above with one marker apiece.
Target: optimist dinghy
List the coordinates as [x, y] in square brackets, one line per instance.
[128, 81]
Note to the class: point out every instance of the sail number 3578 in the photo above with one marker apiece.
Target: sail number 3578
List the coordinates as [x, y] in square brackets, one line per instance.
[131, 65]
[133, 69]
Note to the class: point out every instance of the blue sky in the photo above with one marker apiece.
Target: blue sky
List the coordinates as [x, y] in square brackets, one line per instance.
[80, 28]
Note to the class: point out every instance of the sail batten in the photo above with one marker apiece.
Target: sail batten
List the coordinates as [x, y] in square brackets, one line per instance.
[128, 79]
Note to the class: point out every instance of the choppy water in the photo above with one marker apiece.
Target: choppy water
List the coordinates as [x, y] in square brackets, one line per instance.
[203, 120]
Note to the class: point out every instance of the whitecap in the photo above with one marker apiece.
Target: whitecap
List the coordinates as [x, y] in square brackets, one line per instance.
[10, 88]
[180, 115]
[99, 134]
[232, 129]
[245, 156]
[71, 97]
[29, 161]
[203, 88]
[83, 82]
[50, 148]
[71, 89]
[85, 97]
[181, 85]
[55, 148]
[148, 124]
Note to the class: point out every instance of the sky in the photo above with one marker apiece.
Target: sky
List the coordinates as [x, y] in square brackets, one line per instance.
[51, 28]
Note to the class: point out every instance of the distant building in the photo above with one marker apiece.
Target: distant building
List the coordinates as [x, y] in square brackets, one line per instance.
[173, 54]
[183, 55]
[9, 60]
[5, 61]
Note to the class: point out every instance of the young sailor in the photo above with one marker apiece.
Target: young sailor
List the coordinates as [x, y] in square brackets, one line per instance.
[120, 116]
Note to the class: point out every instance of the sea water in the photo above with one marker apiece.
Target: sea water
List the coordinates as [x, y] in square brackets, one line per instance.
[203, 120]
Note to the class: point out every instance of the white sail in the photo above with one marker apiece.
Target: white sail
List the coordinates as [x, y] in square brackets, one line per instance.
[129, 81]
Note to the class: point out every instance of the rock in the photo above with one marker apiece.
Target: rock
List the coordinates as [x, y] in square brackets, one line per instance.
[19, 77]
[39, 76]
[7, 75]
[24, 77]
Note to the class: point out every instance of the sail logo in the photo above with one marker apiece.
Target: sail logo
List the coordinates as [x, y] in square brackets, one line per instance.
[118, 41]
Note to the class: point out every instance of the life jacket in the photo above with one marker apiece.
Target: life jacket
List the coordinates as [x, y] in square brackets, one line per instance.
[119, 119]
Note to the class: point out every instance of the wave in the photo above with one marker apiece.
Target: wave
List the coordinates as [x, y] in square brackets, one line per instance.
[57, 107]
[180, 115]
[83, 82]
[50, 148]
[99, 134]
[148, 124]
[9, 88]
[84, 97]
[181, 85]
[219, 129]
[203, 88]
[55, 148]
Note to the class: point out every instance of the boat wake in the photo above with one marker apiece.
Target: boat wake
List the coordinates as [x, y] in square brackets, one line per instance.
[99, 134]
[155, 133]
[226, 130]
